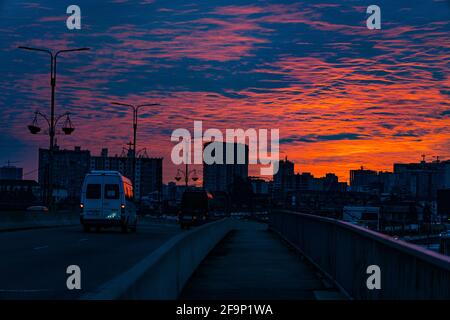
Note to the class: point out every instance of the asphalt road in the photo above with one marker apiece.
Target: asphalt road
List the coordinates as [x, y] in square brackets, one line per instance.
[33, 263]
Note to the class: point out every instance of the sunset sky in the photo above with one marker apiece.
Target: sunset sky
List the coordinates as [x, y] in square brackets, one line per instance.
[341, 95]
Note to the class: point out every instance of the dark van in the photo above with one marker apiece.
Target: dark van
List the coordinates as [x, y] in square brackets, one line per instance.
[194, 208]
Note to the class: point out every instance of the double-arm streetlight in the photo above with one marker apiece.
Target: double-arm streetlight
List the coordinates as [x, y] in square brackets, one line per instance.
[53, 58]
[186, 174]
[67, 128]
[136, 109]
[53, 121]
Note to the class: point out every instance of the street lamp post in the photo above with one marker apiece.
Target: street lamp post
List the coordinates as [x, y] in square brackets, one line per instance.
[135, 124]
[52, 122]
[186, 173]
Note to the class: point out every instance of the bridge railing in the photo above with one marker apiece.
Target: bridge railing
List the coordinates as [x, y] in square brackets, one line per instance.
[343, 252]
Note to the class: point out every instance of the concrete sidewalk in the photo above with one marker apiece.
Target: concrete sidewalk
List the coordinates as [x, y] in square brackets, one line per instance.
[254, 263]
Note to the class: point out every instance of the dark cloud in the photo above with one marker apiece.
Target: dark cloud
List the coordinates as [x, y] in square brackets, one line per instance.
[318, 138]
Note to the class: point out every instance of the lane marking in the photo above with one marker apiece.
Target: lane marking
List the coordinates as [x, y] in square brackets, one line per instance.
[39, 248]
[84, 239]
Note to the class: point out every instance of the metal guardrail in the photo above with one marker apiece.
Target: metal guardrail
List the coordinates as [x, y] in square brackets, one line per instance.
[343, 251]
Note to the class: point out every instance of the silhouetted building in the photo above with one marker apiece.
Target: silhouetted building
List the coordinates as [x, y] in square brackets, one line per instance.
[443, 202]
[388, 182]
[220, 176]
[148, 178]
[283, 180]
[18, 194]
[363, 180]
[327, 203]
[422, 180]
[304, 181]
[69, 170]
[409, 185]
[307, 182]
[262, 191]
[171, 197]
[397, 215]
[11, 173]
[260, 186]
[366, 216]
[289, 189]
[105, 162]
[71, 166]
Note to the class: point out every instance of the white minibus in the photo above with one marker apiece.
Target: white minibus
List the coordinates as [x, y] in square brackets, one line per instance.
[107, 201]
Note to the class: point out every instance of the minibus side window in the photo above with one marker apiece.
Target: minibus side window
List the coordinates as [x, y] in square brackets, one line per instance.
[128, 191]
[131, 193]
[111, 191]
[93, 191]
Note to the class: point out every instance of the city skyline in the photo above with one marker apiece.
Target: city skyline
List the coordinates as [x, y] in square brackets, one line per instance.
[343, 96]
[199, 172]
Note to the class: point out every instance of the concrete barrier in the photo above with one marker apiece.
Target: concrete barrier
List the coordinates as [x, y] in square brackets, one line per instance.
[29, 220]
[163, 274]
[343, 252]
